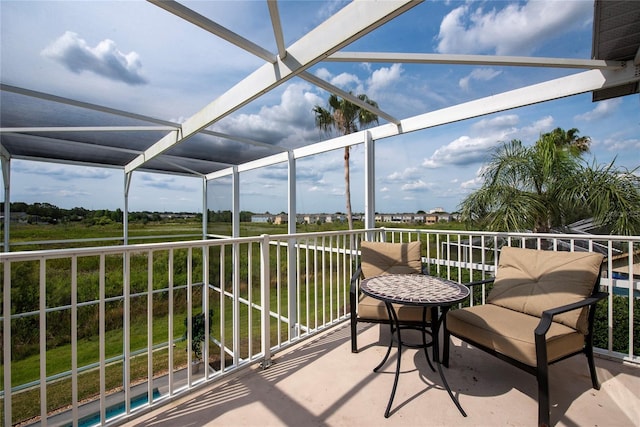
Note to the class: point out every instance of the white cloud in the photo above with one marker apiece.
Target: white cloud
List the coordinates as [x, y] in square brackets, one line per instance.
[323, 74]
[417, 185]
[163, 182]
[105, 59]
[287, 123]
[471, 184]
[345, 80]
[479, 74]
[468, 29]
[404, 175]
[486, 135]
[493, 124]
[602, 109]
[384, 77]
[621, 145]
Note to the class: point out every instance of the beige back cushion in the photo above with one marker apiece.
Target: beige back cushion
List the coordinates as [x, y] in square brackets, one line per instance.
[532, 281]
[390, 258]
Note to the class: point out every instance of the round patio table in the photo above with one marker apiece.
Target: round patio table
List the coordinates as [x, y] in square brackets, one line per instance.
[429, 292]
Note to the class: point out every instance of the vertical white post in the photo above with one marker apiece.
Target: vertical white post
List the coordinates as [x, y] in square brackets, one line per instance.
[150, 327]
[205, 209]
[205, 307]
[102, 341]
[74, 336]
[126, 333]
[235, 210]
[6, 340]
[6, 177]
[291, 251]
[369, 191]
[265, 299]
[43, 342]
[170, 334]
[235, 277]
[369, 183]
[125, 214]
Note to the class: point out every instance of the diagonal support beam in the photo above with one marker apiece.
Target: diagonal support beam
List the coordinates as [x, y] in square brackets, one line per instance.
[208, 25]
[349, 24]
[441, 58]
[277, 27]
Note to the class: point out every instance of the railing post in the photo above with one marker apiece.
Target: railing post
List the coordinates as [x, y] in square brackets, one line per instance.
[265, 299]
[6, 340]
[292, 289]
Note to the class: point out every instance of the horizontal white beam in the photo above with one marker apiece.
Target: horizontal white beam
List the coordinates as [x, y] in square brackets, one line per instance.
[586, 81]
[265, 161]
[81, 104]
[89, 129]
[436, 58]
[350, 23]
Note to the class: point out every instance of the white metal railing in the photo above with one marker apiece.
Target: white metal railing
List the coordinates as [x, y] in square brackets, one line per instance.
[115, 316]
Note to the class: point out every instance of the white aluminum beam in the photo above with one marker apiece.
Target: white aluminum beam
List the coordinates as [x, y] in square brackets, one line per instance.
[265, 161]
[575, 84]
[436, 58]
[369, 182]
[292, 209]
[586, 81]
[349, 24]
[219, 174]
[5, 163]
[86, 105]
[277, 27]
[208, 25]
[89, 129]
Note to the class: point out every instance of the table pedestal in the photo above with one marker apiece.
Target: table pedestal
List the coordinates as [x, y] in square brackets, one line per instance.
[437, 317]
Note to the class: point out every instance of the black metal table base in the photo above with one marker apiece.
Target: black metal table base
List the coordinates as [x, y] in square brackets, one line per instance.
[395, 327]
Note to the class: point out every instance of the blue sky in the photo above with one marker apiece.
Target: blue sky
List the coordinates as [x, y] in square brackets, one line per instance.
[134, 56]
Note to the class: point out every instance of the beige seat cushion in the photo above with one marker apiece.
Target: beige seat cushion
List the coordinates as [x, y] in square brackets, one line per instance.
[378, 258]
[532, 281]
[390, 258]
[375, 310]
[511, 333]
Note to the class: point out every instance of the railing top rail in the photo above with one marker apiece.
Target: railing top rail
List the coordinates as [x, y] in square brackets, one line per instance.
[119, 249]
[597, 237]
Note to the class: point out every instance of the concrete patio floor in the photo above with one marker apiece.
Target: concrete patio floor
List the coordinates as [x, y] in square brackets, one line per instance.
[320, 382]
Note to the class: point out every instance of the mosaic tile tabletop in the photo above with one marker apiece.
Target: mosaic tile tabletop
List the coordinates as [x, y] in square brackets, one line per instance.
[415, 289]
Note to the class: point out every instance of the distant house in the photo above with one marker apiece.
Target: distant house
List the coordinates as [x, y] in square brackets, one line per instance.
[262, 218]
[281, 219]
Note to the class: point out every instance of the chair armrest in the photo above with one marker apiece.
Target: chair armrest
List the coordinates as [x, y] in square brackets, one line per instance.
[480, 282]
[547, 315]
[355, 280]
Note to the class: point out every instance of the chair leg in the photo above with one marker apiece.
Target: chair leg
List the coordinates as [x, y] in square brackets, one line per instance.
[544, 415]
[592, 367]
[446, 338]
[354, 335]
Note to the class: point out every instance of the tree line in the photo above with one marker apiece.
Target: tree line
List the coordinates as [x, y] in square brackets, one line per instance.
[38, 213]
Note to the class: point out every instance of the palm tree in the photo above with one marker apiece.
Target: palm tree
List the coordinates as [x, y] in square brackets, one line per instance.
[345, 118]
[550, 185]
